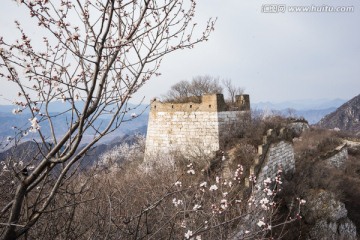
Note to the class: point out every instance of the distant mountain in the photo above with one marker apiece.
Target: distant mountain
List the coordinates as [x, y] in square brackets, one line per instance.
[302, 104]
[312, 110]
[314, 115]
[23, 152]
[9, 121]
[346, 117]
[28, 152]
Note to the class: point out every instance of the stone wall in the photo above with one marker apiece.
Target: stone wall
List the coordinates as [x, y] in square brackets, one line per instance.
[274, 153]
[279, 155]
[192, 129]
[337, 157]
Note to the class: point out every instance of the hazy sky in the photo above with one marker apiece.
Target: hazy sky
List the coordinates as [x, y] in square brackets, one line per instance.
[274, 56]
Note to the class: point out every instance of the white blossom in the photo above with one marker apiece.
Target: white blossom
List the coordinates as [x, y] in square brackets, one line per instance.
[223, 204]
[16, 111]
[75, 36]
[177, 202]
[217, 179]
[177, 183]
[34, 125]
[196, 207]
[188, 234]
[267, 181]
[203, 184]
[183, 224]
[264, 203]
[213, 188]
[191, 171]
[261, 223]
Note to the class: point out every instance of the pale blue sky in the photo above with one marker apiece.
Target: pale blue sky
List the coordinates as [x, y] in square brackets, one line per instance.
[275, 57]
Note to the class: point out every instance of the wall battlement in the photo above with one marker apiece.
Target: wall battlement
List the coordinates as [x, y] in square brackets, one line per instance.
[192, 129]
[209, 103]
[274, 152]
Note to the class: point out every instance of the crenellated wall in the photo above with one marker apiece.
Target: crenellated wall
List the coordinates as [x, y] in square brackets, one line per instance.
[192, 128]
[276, 152]
[279, 155]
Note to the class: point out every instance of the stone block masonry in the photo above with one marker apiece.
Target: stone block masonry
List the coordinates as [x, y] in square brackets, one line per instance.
[273, 154]
[192, 129]
[280, 154]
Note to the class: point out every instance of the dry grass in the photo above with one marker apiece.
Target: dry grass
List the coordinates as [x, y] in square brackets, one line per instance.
[312, 175]
[318, 141]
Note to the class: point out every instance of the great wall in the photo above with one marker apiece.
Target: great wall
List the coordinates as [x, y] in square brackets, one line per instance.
[192, 128]
[200, 128]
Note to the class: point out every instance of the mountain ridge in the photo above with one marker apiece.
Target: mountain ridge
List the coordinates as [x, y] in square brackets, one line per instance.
[346, 117]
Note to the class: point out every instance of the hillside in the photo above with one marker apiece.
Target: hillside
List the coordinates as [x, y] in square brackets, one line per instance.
[346, 117]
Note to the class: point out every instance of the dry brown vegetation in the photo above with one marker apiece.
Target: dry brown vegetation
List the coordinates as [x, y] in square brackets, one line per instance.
[129, 202]
[313, 176]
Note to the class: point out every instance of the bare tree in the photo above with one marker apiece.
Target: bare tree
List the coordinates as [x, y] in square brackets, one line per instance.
[232, 90]
[200, 85]
[178, 92]
[205, 84]
[94, 56]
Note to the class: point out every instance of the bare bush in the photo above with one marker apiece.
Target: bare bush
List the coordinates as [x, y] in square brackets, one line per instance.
[179, 203]
[232, 90]
[185, 91]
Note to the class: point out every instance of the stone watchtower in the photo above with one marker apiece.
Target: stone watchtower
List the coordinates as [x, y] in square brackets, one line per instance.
[192, 128]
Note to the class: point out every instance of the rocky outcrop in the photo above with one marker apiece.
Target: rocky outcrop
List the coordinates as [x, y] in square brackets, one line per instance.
[328, 217]
[298, 127]
[339, 157]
